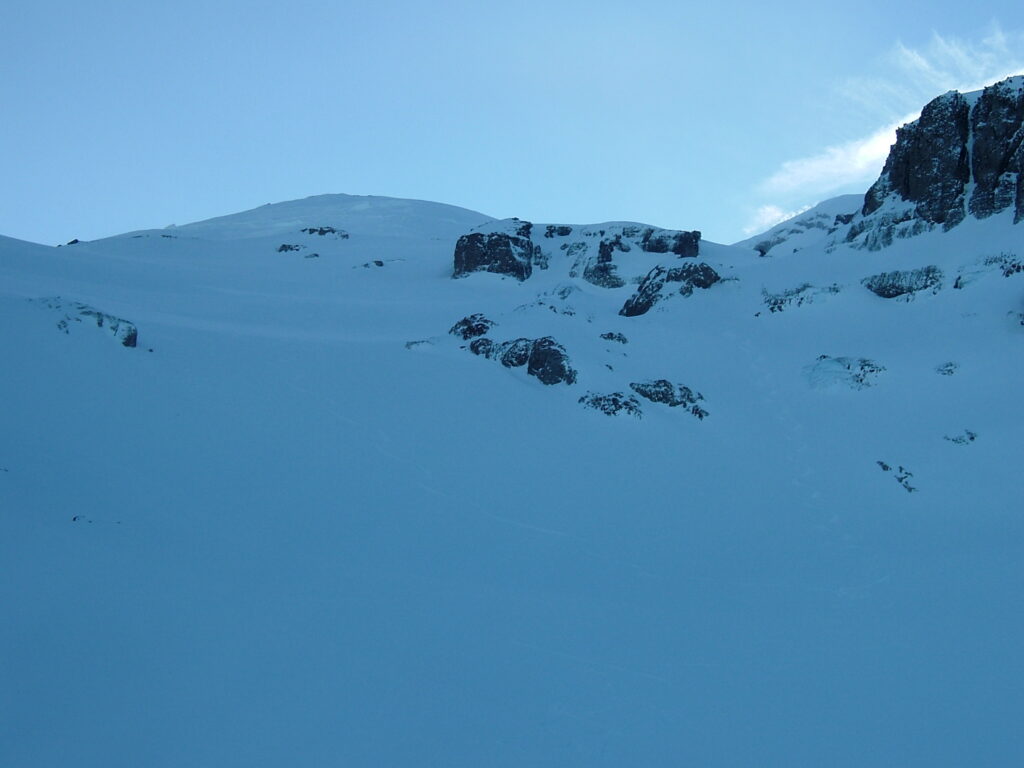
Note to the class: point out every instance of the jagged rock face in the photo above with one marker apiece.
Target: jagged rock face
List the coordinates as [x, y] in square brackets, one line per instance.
[472, 326]
[497, 252]
[890, 285]
[505, 247]
[955, 146]
[997, 162]
[651, 289]
[928, 164]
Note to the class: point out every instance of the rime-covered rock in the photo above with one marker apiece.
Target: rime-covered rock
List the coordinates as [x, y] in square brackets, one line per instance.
[471, 326]
[673, 395]
[601, 271]
[653, 287]
[890, 285]
[852, 372]
[612, 404]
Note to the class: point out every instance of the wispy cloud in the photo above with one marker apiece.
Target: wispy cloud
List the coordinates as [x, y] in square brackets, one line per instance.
[767, 216]
[912, 77]
[834, 167]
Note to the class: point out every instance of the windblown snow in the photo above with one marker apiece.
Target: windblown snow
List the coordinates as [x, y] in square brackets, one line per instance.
[302, 523]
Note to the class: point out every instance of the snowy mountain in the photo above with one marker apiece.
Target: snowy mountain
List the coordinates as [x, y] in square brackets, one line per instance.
[365, 481]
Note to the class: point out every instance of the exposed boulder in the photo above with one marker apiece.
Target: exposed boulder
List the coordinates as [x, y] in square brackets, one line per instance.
[890, 285]
[651, 289]
[471, 326]
[515, 353]
[550, 363]
[673, 395]
[544, 358]
[612, 404]
[482, 346]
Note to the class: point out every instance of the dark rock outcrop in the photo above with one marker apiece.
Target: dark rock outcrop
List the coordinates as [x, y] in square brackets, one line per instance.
[503, 253]
[601, 271]
[997, 155]
[890, 285]
[612, 404]
[615, 336]
[929, 163]
[341, 234]
[471, 326]
[957, 145]
[557, 230]
[672, 395]
[515, 353]
[544, 358]
[550, 363]
[651, 288]
[683, 244]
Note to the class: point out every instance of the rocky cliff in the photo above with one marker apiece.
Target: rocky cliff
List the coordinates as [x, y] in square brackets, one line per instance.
[964, 155]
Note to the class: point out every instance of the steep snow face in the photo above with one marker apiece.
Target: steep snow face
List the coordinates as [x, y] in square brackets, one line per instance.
[812, 228]
[337, 507]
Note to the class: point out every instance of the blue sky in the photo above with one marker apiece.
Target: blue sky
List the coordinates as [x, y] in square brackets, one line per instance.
[122, 116]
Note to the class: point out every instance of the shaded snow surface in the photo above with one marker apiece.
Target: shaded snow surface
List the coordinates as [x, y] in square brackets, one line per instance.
[285, 536]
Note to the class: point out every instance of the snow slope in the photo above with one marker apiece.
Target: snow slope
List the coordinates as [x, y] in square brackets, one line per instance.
[300, 523]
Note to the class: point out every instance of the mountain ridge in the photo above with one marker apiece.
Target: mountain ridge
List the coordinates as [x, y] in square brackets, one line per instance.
[299, 487]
